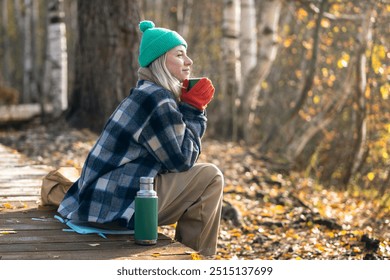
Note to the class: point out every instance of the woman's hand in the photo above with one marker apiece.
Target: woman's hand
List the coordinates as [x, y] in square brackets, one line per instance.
[199, 95]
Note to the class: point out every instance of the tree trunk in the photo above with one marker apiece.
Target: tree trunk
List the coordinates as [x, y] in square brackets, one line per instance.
[17, 47]
[231, 59]
[106, 60]
[5, 45]
[248, 38]
[27, 56]
[56, 68]
[183, 15]
[360, 147]
[267, 27]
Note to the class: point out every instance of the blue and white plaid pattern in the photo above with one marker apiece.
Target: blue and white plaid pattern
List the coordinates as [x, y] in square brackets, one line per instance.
[149, 133]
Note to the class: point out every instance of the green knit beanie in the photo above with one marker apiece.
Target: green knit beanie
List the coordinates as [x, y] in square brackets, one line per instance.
[156, 41]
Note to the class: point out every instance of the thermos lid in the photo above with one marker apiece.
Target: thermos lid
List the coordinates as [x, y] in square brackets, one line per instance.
[146, 180]
[146, 187]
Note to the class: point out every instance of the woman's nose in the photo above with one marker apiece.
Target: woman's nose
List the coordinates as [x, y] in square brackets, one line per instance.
[189, 61]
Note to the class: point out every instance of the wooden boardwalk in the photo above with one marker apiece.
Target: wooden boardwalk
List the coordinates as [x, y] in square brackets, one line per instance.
[20, 180]
[28, 231]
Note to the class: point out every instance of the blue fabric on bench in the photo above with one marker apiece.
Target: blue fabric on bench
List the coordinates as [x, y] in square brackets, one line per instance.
[86, 228]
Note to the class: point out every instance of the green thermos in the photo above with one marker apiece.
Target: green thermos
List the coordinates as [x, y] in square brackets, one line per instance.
[146, 213]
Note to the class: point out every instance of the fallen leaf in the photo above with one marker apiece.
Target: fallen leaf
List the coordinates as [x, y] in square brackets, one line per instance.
[195, 256]
[8, 232]
[8, 205]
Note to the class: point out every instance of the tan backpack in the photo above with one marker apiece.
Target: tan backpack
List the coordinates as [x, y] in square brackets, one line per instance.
[56, 183]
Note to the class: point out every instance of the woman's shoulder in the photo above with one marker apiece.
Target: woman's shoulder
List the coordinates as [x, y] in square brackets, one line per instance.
[153, 90]
[147, 96]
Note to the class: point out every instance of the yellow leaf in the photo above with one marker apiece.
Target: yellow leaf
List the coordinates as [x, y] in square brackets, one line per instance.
[236, 234]
[384, 90]
[356, 250]
[336, 9]
[7, 232]
[343, 61]
[8, 206]
[195, 256]
[156, 255]
[302, 14]
[279, 209]
[371, 176]
[319, 247]
[316, 99]
[367, 93]
[325, 72]
[343, 232]
[311, 24]
[330, 234]
[358, 232]
[325, 23]
[287, 42]
[307, 45]
[378, 54]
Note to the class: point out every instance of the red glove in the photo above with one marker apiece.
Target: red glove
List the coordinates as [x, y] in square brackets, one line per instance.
[199, 95]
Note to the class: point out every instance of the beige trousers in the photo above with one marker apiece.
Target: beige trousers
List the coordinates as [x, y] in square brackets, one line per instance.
[193, 199]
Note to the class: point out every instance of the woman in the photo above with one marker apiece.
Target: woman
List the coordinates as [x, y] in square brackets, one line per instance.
[156, 132]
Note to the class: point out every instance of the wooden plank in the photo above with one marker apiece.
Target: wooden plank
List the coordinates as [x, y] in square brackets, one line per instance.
[39, 222]
[49, 236]
[21, 184]
[30, 191]
[36, 227]
[76, 246]
[22, 199]
[172, 251]
[21, 112]
[41, 212]
[24, 172]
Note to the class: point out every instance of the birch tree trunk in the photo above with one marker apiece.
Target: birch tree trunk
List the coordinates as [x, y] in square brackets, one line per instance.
[267, 28]
[27, 56]
[248, 38]
[232, 66]
[56, 69]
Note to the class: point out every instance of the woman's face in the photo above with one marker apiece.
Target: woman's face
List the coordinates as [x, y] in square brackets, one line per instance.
[178, 63]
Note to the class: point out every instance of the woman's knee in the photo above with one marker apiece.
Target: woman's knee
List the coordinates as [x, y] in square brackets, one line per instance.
[211, 171]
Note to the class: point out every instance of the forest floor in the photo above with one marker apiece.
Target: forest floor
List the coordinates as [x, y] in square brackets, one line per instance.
[268, 213]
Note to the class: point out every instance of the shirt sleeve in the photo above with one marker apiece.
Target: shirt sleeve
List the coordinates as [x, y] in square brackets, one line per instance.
[172, 133]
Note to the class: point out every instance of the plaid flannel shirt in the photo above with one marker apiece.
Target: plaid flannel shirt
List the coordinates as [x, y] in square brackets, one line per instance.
[149, 133]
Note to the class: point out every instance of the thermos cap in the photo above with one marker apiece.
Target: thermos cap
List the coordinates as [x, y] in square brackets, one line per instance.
[146, 187]
[146, 180]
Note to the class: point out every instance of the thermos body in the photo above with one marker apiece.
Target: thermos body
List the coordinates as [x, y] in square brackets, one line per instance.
[146, 213]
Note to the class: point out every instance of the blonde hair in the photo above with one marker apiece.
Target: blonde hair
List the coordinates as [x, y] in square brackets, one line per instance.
[163, 77]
